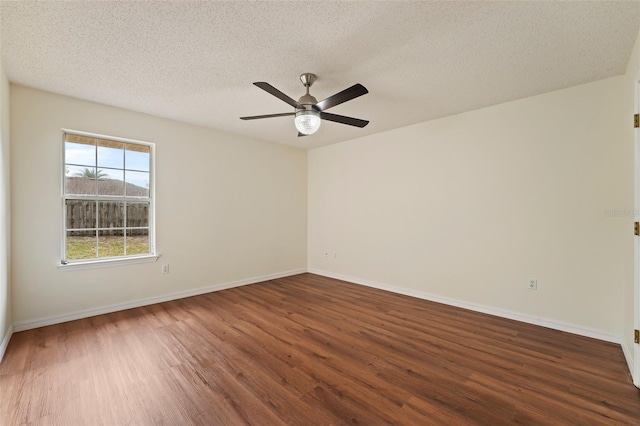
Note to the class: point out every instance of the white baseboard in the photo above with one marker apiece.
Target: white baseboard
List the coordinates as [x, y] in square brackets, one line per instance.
[556, 325]
[57, 319]
[5, 342]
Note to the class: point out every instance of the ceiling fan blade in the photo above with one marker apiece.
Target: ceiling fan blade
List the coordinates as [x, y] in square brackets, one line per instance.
[301, 134]
[278, 94]
[255, 117]
[344, 96]
[343, 120]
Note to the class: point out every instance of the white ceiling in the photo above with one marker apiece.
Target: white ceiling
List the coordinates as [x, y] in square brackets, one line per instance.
[195, 61]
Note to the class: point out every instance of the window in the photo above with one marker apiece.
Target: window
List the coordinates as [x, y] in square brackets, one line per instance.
[107, 198]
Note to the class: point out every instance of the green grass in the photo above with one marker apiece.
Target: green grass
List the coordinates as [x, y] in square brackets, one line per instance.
[85, 247]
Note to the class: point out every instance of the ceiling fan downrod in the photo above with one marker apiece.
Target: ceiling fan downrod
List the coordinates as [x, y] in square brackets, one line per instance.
[307, 80]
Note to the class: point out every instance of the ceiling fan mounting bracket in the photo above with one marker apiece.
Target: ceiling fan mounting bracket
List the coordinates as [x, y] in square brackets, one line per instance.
[308, 79]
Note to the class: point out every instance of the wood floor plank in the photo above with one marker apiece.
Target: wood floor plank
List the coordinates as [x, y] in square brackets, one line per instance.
[310, 350]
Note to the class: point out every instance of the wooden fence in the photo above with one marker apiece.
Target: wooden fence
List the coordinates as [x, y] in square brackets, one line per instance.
[82, 214]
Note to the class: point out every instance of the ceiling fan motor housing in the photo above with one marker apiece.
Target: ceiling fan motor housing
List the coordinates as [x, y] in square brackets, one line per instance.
[307, 101]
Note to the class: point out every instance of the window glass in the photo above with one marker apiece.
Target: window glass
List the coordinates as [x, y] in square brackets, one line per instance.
[137, 184]
[81, 245]
[80, 180]
[107, 198]
[111, 243]
[137, 157]
[110, 154]
[110, 214]
[80, 214]
[80, 151]
[137, 215]
[137, 241]
[110, 182]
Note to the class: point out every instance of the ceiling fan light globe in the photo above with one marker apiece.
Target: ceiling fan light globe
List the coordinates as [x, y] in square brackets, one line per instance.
[307, 122]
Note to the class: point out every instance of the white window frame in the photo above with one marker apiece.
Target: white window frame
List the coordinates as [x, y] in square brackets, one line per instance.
[152, 256]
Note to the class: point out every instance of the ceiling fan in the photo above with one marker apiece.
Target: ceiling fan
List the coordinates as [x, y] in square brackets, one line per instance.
[309, 112]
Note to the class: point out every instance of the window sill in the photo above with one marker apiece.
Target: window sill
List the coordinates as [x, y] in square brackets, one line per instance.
[92, 264]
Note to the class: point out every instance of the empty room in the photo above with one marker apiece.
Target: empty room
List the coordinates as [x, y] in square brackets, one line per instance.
[319, 213]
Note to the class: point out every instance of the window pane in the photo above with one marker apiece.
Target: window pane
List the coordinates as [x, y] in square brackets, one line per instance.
[80, 214]
[110, 182]
[80, 180]
[137, 215]
[110, 154]
[110, 214]
[137, 241]
[81, 245]
[99, 173]
[80, 150]
[137, 157]
[137, 184]
[111, 243]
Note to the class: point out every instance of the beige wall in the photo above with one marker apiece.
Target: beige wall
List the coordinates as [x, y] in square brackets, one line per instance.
[228, 208]
[5, 252]
[468, 207]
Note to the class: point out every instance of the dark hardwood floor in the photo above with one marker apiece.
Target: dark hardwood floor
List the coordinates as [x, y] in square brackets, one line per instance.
[309, 350]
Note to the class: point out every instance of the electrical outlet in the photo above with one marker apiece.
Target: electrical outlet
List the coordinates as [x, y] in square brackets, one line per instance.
[533, 284]
[165, 269]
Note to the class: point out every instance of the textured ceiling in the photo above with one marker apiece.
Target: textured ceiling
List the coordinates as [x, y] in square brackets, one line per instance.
[195, 61]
